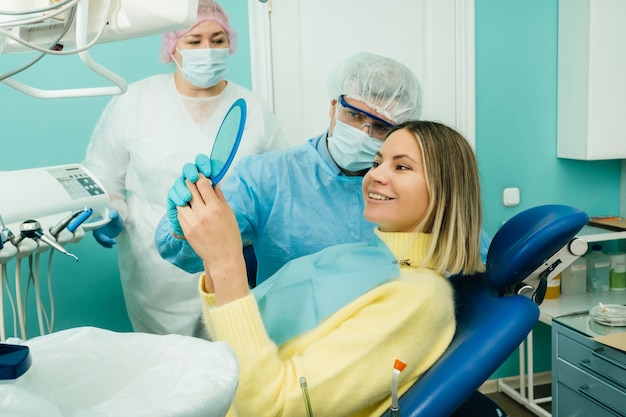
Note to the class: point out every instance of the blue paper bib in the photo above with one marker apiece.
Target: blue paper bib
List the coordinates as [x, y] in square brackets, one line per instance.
[309, 289]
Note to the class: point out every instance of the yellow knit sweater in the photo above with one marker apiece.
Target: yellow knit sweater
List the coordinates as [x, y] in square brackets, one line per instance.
[348, 359]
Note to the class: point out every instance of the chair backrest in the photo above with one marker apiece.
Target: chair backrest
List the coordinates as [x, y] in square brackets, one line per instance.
[491, 321]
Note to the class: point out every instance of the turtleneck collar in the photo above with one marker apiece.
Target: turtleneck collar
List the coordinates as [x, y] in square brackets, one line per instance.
[409, 248]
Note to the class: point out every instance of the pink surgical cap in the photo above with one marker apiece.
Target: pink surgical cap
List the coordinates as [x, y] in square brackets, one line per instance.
[208, 11]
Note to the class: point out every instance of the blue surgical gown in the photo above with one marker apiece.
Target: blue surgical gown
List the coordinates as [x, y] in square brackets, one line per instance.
[288, 203]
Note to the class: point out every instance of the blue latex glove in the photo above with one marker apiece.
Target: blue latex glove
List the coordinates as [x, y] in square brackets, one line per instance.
[203, 163]
[106, 234]
[179, 194]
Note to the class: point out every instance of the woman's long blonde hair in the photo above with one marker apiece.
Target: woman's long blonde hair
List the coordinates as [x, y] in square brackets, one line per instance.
[454, 214]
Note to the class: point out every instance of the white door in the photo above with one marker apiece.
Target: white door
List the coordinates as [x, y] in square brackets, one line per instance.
[296, 43]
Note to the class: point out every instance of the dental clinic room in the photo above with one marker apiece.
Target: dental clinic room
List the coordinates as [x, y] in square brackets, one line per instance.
[253, 208]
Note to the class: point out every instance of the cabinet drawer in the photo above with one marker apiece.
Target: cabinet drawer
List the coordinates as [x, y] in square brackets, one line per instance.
[602, 361]
[591, 388]
[573, 404]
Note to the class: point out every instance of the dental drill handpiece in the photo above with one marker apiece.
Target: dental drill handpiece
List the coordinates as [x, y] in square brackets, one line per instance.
[32, 229]
[80, 219]
[57, 228]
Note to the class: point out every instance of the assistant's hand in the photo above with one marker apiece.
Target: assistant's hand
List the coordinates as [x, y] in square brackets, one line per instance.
[203, 164]
[179, 195]
[211, 228]
[106, 234]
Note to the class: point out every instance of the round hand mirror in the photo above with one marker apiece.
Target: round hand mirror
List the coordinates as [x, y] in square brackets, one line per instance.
[227, 140]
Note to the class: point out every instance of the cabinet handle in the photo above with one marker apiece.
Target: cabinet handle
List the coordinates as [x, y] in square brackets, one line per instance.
[586, 364]
[584, 391]
[599, 352]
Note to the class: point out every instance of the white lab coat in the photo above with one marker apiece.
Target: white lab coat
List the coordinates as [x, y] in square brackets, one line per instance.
[137, 150]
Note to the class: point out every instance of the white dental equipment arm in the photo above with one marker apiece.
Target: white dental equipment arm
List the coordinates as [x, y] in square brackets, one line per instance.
[82, 24]
[60, 198]
[35, 193]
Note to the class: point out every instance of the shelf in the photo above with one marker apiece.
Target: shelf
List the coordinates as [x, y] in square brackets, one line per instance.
[598, 234]
[569, 304]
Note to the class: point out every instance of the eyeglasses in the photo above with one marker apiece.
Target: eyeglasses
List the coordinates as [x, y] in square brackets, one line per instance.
[355, 117]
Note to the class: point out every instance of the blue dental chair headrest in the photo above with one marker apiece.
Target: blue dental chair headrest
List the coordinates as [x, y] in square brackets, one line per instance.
[533, 244]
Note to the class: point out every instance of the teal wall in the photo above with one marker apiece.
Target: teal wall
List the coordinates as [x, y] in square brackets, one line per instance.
[516, 97]
[516, 67]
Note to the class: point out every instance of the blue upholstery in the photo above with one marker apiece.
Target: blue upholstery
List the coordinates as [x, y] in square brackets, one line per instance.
[14, 360]
[528, 239]
[491, 323]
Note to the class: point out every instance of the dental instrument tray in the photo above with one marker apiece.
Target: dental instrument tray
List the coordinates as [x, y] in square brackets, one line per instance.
[609, 314]
[14, 360]
[615, 223]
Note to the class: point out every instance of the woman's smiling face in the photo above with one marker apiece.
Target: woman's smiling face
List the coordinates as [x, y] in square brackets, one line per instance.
[395, 189]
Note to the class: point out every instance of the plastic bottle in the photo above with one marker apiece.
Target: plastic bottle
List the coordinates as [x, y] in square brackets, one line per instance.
[597, 270]
[554, 287]
[617, 271]
[574, 278]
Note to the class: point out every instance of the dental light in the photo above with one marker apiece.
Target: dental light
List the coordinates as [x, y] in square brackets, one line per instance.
[65, 27]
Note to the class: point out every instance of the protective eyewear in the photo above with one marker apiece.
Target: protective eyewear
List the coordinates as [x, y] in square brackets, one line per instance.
[355, 117]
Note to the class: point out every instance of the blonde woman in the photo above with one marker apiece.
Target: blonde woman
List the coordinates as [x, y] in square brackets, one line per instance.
[341, 317]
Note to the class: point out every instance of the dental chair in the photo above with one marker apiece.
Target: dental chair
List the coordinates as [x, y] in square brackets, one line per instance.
[498, 308]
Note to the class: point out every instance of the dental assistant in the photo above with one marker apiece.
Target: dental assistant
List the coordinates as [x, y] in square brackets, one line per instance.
[296, 201]
[390, 298]
[140, 142]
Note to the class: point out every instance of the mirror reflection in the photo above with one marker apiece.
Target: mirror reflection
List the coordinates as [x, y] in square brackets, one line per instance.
[227, 140]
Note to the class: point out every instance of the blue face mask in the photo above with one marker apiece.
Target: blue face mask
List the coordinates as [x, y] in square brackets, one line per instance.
[204, 67]
[351, 148]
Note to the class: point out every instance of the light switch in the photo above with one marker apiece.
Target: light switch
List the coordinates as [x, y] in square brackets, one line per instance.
[510, 197]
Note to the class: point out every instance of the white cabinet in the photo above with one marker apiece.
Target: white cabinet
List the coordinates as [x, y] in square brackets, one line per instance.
[591, 79]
